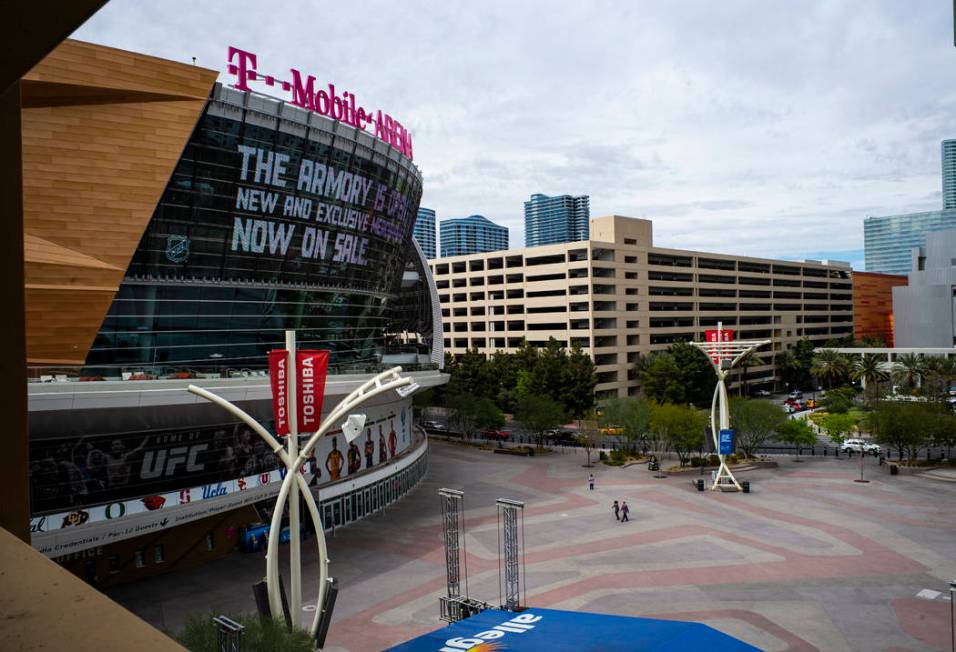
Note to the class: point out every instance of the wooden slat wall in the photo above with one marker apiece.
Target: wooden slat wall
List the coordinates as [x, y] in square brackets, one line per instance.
[93, 172]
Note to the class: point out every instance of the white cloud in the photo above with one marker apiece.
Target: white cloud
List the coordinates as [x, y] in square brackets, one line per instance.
[740, 126]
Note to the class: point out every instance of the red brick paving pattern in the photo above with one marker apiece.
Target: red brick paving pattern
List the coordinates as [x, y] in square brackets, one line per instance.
[709, 515]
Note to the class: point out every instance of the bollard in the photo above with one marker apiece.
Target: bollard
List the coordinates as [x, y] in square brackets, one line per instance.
[700, 485]
[894, 470]
[745, 485]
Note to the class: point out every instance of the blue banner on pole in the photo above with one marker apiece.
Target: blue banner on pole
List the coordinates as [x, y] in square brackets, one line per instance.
[726, 439]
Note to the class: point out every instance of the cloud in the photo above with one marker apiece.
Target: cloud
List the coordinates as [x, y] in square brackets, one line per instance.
[741, 126]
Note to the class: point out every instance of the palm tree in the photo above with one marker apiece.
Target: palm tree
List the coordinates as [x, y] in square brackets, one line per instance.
[749, 359]
[830, 366]
[910, 370]
[940, 372]
[869, 369]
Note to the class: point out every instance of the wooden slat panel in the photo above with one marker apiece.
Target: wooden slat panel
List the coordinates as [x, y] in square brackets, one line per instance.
[92, 176]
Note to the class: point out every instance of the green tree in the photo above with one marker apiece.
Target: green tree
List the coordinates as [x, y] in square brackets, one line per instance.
[830, 367]
[487, 415]
[839, 400]
[940, 372]
[910, 369]
[663, 381]
[794, 365]
[869, 370]
[696, 372]
[631, 414]
[261, 634]
[749, 359]
[681, 427]
[838, 426]
[899, 425]
[537, 413]
[798, 433]
[756, 422]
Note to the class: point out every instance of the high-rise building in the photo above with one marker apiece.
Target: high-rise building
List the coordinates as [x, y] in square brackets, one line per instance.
[552, 220]
[474, 234]
[424, 231]
[948, 149]
[888, 241]
[619, 297]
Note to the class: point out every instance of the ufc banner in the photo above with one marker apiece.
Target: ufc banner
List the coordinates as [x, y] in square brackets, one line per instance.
[278, 378]
[311, 368]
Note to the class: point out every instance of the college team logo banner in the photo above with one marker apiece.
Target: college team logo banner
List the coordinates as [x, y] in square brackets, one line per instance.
[311, 369]
[278, 368]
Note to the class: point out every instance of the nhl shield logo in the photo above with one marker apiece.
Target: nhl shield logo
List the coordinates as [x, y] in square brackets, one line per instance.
[177, 248]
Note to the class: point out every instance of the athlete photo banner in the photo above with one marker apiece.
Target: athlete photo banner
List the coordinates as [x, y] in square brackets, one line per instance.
[278, 368]
[311, 369]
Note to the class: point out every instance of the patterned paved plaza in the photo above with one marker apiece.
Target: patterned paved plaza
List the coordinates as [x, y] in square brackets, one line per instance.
[809, 560]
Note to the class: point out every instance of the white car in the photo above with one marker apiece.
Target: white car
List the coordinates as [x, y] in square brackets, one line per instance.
[858, 445]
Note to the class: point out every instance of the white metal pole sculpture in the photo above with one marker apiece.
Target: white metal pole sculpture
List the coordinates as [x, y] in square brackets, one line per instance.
[294, 484]
[724, 352]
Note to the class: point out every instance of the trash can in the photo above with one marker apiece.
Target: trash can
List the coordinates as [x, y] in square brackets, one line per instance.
[746, 486]
[894, 470]
[700, 485]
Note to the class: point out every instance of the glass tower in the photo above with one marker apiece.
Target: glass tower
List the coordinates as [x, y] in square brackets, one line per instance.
[424, 231]
[949, 173]
[472, 235]
[889, 241]
[550, 220]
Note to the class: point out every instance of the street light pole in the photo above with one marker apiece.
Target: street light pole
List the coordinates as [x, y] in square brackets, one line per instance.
[723, 354]
[294, 484]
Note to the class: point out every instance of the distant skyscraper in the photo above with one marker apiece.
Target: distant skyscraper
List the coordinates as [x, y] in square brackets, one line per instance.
[888, 241]
[424, 231]
[949, 173]
[550, 220]
[472, 235]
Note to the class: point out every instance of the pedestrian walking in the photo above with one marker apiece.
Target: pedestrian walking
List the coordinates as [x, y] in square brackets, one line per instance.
[591, 481]
[625, 510]
[617, 511]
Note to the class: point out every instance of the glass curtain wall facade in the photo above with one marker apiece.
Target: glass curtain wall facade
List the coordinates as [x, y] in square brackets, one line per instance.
[425, 231]
[274, 218]
[552, 220]
[472, 235]
[889, 241]
[948, 148]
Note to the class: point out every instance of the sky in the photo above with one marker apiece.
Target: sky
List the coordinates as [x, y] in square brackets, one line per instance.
[745, 127]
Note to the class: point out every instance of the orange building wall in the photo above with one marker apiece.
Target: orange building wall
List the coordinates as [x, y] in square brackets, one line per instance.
[873, 305]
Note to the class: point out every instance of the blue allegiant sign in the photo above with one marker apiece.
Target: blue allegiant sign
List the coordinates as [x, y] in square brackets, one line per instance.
[726, 441]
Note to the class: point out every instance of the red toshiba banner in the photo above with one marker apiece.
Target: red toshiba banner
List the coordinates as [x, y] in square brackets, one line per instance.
[278, 377]
[725, 335]
[310, 387]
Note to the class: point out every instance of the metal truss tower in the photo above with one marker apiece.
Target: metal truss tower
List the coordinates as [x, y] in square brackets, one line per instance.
[511, 571]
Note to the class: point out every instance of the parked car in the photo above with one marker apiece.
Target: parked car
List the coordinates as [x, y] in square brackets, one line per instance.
[860, 445]
[812, 404]
[433, 425]
[789, 408]
[500, 435]
[795, 395]
[761, 392]
[560, 436]
[612, 431]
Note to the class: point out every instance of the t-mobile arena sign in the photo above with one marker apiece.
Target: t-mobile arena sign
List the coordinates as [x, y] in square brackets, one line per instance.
[325, 101]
